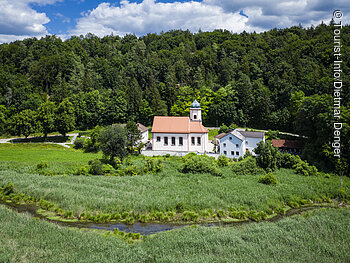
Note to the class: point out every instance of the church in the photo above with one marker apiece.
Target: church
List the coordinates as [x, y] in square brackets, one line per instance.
[180, 134]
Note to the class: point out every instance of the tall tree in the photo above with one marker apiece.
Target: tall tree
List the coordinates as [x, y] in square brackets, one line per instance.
[133, 136]
[112, 141]
[46, 118]
[23, 123]
[64, 117]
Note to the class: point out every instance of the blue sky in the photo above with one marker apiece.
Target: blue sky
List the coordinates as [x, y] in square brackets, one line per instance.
[36, 18]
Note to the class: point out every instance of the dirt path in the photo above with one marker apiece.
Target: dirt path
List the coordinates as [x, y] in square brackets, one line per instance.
[64, 144]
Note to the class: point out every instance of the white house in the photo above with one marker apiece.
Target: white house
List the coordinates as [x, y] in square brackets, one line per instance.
[143, 130]
[180, 134]
[239, 141]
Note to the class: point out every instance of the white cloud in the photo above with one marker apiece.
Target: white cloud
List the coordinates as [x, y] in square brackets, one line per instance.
[18, 20]
[267, 14]
[150, 16]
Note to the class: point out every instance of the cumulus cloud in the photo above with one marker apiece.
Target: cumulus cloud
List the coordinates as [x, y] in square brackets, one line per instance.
[150, 16]
[18, 20]
[267, 14]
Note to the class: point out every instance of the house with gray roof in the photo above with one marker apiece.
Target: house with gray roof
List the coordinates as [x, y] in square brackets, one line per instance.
[237, 142]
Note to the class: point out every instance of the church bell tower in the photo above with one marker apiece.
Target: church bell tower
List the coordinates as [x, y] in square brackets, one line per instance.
[195, 111]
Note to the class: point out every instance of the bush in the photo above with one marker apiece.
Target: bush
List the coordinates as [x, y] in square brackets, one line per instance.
[151, 165]
[96, 167]
[305, 169]
[128, 171]
[247, 166]
[107, 169]
[200, 164]
[223, 161]
[268, 179]
[115, 162]
[79, 143]
[286, 160]
[83, 170]
[266, 155]
[8, 188]
[42, 165]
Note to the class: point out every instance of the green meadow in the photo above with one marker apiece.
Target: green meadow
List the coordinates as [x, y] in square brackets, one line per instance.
[317, 236]
[168, 190]
[25, 157]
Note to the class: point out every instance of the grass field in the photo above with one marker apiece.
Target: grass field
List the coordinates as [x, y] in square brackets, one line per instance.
[26, 156]
[165, 191]
[318, 236]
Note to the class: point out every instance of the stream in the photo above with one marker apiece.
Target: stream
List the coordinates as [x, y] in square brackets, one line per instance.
[145, 228]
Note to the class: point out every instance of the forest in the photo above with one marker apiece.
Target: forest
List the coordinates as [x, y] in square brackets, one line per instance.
[281, 79]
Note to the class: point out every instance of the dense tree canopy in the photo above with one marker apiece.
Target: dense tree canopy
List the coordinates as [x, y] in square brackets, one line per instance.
[271, 80]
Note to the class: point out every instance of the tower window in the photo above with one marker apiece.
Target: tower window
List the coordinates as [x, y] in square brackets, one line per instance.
[158, 138]
[165, 140]
[195, 117]
[181, 141]
[172, 140]
[199, 140]
[232, 153]
[237, 153]
[225, 152]
[224, 144]
[236, 145]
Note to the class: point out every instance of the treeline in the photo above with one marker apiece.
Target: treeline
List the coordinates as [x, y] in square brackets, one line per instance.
[280, 80]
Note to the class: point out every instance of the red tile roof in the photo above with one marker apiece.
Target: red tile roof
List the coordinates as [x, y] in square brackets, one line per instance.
[165, 124]
[292, 144]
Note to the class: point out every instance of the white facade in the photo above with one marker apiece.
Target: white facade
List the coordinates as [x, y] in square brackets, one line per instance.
[192, 142]
[251, 143]
[144, 138]
[196, 114]
[235, 145]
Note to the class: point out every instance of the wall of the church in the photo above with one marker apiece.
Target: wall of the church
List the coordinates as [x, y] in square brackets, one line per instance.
[199, 143]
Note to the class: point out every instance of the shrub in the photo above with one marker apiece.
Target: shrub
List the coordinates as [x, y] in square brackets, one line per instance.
[268, 179]
[107, 169]
[151, 165]
[83, 170]
[128, 171]
[115, 162]
[96, 167]
[223, 161]
[286, 160]
[42, 165]
[200, 164]
[247, 166]
[305, 169]
[8, 188]
[79, 143]
[266, 155]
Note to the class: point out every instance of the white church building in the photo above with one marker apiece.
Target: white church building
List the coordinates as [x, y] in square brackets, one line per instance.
[180, 134]
[236, 143]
